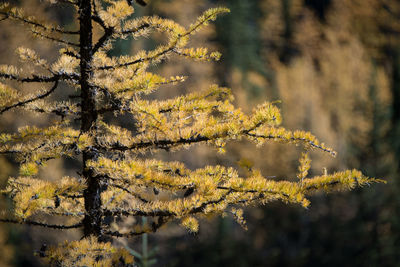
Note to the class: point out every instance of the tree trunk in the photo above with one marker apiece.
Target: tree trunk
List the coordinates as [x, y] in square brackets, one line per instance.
[92, 220]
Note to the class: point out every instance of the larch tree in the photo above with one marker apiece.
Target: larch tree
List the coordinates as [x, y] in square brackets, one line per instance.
[117, 178]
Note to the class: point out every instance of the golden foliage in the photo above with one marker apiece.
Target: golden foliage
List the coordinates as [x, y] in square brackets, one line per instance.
[8, 95]
[213, 187]
[88, 252]
[191, 224]
[57, 198]
[124, 184]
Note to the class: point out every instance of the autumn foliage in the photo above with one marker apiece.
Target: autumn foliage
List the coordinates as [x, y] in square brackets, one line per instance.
[118, 177]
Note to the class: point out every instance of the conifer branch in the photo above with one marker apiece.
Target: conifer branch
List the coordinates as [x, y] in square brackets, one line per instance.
[53, 226]
[172, 45]
[200, 209]
[166, 50]
[68, 2]
[22, 103]
[294, 139]
[167, 213]
[108, 32]
[162, 144]
[55, 39]
[167, 144]
[200, 56]
[33, 79]
[140, 60]
[96, 18]
[267, 191]
[33, 23]
[138, 212]
[39, 79]
[62, 112]
[73, 196]
[66, 214]
[130, 192]
[131, 31]
[247, 201]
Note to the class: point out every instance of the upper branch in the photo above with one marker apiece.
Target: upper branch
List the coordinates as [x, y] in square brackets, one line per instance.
[296, 140]
[139, 60]
[37, 78]
[17, 15]
[108, 32]
[55, 39]
[167, 144]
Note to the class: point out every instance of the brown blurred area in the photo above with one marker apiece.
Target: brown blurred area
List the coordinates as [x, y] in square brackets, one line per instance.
[335, 67]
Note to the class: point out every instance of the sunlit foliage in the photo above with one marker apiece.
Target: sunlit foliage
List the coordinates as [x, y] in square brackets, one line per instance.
[118, 179]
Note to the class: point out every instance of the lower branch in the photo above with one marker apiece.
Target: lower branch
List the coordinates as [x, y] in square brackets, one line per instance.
[53, 226]
[22, 103]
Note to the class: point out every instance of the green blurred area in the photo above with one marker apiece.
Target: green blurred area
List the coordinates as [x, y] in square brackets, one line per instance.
[335, 65]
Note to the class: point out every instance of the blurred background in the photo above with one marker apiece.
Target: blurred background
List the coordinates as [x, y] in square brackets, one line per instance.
[335, 67]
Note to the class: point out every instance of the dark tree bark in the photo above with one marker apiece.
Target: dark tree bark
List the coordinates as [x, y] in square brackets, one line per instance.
[92, 220]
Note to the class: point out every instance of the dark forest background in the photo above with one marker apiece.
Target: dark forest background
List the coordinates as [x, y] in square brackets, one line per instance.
[335, 67]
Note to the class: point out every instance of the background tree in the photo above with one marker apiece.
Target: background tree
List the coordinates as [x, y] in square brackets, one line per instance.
[340, 79]
[117, 179]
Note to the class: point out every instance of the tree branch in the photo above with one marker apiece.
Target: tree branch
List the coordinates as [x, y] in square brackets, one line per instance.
[130, 192]
[22, 103]
[55, 39]
[166, 144]
[136, 61]
[163, 144]
[53, 226]
[132, 212]
[36, 24]
[311, 143]
[141, 27]
[168, 49]
[68, 2]
[108, 32]
[39, 79]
